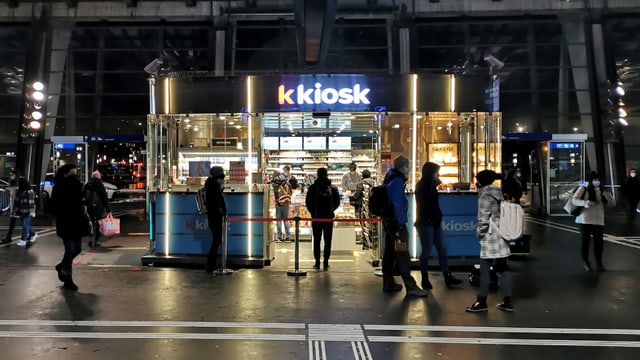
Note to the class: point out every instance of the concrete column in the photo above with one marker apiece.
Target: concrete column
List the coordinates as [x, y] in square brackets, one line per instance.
[405, 50]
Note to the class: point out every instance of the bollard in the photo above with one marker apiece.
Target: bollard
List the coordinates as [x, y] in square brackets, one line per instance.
[223, 270]
[296, 271]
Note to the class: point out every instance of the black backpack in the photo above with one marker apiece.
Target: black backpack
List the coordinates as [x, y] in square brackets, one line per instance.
[93, 203]
[323, 202]
[379, 203]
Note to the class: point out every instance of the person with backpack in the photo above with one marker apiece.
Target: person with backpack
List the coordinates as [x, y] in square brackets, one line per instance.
[282, 191]
[494, 250]
[216, 212]
[428, 224]
[396, 249]
[95, 199]
[511, 187]
[67, 207]
[25, 205]
[361, 197]
[593, 200]
[322, 200]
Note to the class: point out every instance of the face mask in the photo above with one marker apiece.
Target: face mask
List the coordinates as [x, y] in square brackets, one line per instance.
[220, 181]
[435, 177]
[405, 171]
[596, 183]
[633, 174]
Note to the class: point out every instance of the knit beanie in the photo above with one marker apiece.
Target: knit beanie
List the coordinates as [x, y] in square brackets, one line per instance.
[399, 162]
[217, 172]
[96, 175]
[593, 175]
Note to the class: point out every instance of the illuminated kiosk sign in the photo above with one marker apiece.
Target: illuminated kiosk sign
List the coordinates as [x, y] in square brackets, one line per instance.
[323, 92]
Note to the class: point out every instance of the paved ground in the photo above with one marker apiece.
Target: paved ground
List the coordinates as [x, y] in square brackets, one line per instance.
[126, 311]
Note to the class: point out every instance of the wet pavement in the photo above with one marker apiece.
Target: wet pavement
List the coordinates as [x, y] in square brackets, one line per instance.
[129, 311]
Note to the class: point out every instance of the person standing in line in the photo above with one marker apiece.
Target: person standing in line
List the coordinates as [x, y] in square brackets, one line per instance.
[67, 207]
[216, 213]
[592, 199]
[322, 200]
[494, 251]
[396, 249]
[13, 216]
[26, 209]
[361, 197]
[511, 187]
[428, 224]
[631, 189]
[282, 191]
[97, 204]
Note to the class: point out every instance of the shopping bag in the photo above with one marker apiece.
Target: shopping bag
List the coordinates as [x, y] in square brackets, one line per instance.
[109, 226]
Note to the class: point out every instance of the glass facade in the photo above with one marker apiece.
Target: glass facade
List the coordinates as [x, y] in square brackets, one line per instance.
[542, 64]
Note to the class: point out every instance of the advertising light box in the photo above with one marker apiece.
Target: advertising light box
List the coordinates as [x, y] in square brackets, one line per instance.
[270, 143]
[340, 143]
[290, 143]
[315, 143]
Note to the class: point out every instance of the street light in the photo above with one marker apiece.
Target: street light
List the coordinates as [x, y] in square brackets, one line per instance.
[34, 105]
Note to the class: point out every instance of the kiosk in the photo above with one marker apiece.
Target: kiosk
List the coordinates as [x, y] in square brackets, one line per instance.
[252, 126]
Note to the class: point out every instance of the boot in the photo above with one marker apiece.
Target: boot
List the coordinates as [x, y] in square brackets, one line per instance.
[317, 264]
[68, 282]
[451, 280]
[59, 271]
[478, 306]
[426, 284]
[506, 305]
[389, 284]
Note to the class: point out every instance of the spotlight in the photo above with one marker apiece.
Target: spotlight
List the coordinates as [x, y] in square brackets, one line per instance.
[38, 86]
[36, 115]
[619, 90]
[35, 124]
[623, 121]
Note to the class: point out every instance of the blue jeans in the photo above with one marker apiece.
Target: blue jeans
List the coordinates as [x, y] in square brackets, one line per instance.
[27, 231]
[430, 236]
[282, 211]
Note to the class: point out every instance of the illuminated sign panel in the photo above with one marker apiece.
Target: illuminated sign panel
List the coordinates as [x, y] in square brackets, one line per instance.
[322, 96]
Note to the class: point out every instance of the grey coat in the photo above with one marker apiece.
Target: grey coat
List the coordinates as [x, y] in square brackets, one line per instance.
[492, 246]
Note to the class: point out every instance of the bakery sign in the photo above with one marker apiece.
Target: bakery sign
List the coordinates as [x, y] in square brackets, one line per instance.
[446, 148]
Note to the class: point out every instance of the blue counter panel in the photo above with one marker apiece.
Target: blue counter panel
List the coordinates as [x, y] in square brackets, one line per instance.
[188, 232]
[459, 221]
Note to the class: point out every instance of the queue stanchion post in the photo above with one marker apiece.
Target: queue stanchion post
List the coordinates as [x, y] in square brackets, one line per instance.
[223, 270]
[296, 271]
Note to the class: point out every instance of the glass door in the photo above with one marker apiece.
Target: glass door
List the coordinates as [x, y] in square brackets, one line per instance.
[565, 172]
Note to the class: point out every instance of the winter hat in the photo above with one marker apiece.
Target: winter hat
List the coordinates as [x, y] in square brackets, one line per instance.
[64, 169]
[399, 162]
[217, 172]
[486, 177]
[593, 175]
[96, 175]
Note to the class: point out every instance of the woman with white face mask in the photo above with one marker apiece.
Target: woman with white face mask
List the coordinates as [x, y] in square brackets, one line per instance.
[592, 199]
[631, 190]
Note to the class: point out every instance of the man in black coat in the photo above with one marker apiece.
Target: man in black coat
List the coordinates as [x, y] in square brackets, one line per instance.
[216, 212]
[322, 200]
[631, 189]
[68, 209]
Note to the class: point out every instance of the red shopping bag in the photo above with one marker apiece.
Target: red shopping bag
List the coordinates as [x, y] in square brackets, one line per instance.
[109, 226]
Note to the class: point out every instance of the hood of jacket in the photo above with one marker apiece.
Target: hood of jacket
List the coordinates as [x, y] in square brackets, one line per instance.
[322, 181]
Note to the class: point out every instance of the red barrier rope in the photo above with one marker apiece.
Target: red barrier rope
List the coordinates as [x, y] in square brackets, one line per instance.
[232, 219]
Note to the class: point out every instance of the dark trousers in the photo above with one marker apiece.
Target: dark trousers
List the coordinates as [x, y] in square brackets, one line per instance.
[318, 229]
[501, 266]
[72, 248]
[12, 225]
[597, 232]
[215, 224]
[394, 259]
[633, 205]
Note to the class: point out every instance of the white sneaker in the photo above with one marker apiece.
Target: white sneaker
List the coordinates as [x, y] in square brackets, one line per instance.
[21, 243]
[33, 237]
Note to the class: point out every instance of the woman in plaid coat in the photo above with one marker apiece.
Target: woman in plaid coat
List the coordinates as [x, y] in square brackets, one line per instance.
[494, 251]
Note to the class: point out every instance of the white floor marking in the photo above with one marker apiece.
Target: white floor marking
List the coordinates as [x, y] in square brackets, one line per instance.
[494, 341]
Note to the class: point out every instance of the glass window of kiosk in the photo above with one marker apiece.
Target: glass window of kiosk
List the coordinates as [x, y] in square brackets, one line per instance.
[185, 147]
[462, 144]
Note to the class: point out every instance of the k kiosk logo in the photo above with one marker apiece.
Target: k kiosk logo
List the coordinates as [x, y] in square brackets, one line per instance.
[340, 92]
[317, 95]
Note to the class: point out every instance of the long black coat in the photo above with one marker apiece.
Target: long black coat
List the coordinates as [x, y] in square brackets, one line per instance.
[67, 204]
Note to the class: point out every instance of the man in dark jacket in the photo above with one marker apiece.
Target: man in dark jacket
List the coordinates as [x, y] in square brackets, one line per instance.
[67, 207]
[512, 187]
[396, 242]
[216, 212]
[631, 189]
[97, 204]
[322, 200]
[428, 224]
